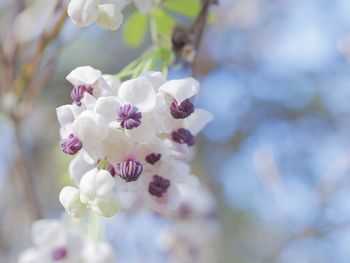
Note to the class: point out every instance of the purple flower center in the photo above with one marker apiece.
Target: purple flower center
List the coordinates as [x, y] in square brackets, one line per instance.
[59, 253]
[71, 145]
[78, 93]
[183, 136]
[183, 110]
[153, 158]
[129, 117]
[158, 186]
[129, 170]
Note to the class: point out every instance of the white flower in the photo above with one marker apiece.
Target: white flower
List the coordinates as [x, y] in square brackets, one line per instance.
[96, 191]
[87, 76]
[107, 13]
[162, 185]
[55, 242]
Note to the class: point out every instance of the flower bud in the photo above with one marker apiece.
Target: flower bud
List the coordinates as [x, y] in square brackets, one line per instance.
[71, 145]
[183, 136]
[183, 110]
[69, 198]
[129, 117]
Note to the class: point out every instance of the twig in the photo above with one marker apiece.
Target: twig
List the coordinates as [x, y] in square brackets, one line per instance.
[198, 28]
[31, 66]
[26, 179]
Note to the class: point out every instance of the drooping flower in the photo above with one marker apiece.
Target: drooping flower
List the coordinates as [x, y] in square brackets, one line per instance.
[53, 241]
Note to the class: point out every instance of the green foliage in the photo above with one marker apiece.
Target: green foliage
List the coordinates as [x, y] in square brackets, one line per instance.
[135, 29]
[188, 8]
[164, 23]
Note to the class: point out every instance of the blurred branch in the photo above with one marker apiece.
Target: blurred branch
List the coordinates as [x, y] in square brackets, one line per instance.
[30, 68]
[26, 85]
[198, 29]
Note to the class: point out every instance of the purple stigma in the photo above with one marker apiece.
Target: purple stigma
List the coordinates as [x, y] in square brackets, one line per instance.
[129, 170]
[71, 145]
[153, 158]
[59, 253]
[78, 93]
[183, 110]
[158, 186]
[129, 117]
[183, 136]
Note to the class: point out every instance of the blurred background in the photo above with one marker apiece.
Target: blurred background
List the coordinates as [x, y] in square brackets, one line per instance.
[276, 76]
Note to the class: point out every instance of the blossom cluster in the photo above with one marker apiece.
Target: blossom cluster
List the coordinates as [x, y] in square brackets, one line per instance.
[107, 13]
[56, 242]
[194, 234]
[131, 137]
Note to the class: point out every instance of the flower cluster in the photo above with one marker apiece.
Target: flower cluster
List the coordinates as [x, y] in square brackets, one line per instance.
[194, 234]
[132, 137]
[55, 242]
[107, 13]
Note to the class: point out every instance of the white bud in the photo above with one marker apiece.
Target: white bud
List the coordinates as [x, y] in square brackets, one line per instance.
[70, 199]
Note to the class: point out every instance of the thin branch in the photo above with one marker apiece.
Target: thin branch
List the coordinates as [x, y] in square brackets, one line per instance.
[31, 66]
[198, 29]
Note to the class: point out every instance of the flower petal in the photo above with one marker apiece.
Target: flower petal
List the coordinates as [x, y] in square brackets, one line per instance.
[47, 232]
[85, 75]
[113, 85]
[181, 89]
[197, 121]
[90, 128]
[108, 108]
[138, 92]
[110, 17]
[65, 117]
[146, 131]
[70, 199]
[155, 77]
[83, 12]
[79, 166]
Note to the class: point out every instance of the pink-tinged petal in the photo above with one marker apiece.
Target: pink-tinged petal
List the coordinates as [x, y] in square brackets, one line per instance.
[181, 89]
[138, 92]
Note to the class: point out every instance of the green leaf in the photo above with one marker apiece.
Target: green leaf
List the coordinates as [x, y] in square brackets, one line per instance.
[135, 29]
[188, 8]
[164, 23]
